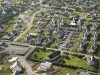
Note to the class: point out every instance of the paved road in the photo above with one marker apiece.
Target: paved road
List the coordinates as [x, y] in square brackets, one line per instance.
[29, 24]
[24, 62]
[66, 41]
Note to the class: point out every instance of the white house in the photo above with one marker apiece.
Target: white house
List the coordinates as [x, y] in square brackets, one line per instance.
[73, 22]
[16, 67]
[13, 59]
[45, 66]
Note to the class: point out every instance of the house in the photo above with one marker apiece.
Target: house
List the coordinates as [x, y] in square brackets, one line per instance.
[13, 59]
[62, 22]
[16, 73]
[30, 37]
[48, 31]
[81, 46]
[60, 34]
[3, 11]
[53, 56]
[8, 36]
[38, 29]
[75, 1]
[64, 6]
[85, 73]
[92, 60]
[95, 36]
[84, 26]
[45, 42]
[39, 39]
[14, 32]
[94, 18]
[16, 67]
[2, 29]
[45, 66]
[73, 22]
[41, 1]
[79, 22]
[95, 25]
[94, 43]
[50, 39]
[42, 14]
[92, 49]
[53, 23]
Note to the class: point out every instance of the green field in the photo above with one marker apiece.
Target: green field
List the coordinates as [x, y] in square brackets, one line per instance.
[39, 54]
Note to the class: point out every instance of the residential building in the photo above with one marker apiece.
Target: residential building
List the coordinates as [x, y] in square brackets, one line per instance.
[45, 66]
[53, 56]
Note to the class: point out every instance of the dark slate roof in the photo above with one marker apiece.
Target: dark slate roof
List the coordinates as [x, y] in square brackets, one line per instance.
[16, 73]
[9, 34]
[14, 32]
[54, 54]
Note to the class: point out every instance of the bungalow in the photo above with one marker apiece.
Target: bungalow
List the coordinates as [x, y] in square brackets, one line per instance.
[53, 56]
[92, 60]
[16, 67]
[2, 29]
[45, 66]
[8, 36]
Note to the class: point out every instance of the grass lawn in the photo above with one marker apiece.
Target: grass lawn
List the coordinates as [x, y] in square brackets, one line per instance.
[64, 71]
[20, 39]
[6, 70]
[10, 28]
[39, 54]
[81, 14]
[75, 61]
[24, 25]
[74, 48]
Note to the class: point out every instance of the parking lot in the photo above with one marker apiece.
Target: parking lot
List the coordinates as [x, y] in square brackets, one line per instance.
[14, 49]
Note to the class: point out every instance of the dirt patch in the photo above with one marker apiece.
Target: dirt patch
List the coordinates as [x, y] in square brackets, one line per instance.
[56, 69]
[2, 58]
[1, 66]
[36, 66]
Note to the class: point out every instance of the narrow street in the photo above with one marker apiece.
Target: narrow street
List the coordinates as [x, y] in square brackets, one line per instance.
[29, 24]
[66, 41]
